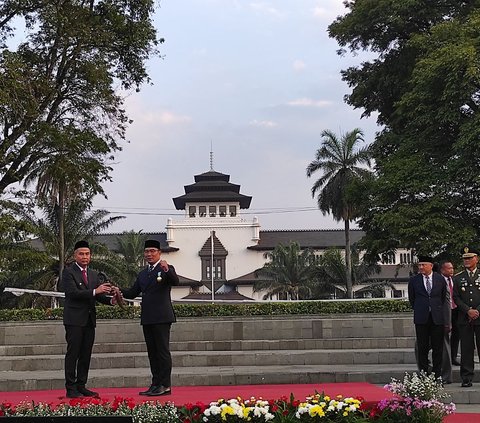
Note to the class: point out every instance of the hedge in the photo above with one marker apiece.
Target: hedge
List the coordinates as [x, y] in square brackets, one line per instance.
[218, 310]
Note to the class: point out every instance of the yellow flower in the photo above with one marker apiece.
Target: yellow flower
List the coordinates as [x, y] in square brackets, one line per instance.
[226, 410]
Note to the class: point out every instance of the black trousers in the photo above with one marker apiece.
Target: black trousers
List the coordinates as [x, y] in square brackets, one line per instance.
[157, 338]
[469, 336]
[79, 351]
[430, 335]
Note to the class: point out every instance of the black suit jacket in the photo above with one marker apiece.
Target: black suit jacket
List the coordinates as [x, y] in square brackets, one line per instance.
[156, 300]
[79, 299]
[423, 304]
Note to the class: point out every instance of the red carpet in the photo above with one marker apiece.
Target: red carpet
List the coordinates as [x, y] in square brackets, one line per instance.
[191, 394]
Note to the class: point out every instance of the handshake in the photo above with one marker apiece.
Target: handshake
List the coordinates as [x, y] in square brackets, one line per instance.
[106, 287]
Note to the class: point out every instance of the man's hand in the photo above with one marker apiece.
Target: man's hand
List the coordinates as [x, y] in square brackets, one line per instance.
[164, 265]
[104, 288]
[473, 314]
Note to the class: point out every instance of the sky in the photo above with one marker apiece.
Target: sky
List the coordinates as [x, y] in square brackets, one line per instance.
[253, 82]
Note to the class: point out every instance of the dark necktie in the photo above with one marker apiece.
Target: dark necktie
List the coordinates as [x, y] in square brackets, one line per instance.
[428, 285]
[151, 267]
[450, 286]
[84, 277]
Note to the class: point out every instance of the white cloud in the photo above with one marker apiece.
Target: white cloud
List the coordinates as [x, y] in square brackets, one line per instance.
[308, 102]
[163, 117]
[299, 65]
[263, 123]
[329, 10]
[267, 9]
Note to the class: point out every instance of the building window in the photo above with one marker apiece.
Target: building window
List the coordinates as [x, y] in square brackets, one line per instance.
[218, 268]
[212, 211]
[202, 211]
[388, 258]
[233, 211]
[405, 258]
[192, 211]
[222, 211]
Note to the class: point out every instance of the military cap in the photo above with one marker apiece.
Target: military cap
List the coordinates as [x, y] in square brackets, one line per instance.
[468, 252]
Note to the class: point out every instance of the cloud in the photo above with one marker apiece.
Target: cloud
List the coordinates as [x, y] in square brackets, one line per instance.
[299, 65]
[263, 123]
[267, 9]
[308, 102]
[163, 118]
[329, 10]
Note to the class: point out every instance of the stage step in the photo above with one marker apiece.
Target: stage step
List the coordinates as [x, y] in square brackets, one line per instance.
[222, 351]
[219, 358]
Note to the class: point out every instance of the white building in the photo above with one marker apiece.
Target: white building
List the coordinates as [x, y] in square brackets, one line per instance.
[212, 245]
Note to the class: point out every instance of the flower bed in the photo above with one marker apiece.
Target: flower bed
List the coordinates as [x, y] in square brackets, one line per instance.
[419, 399]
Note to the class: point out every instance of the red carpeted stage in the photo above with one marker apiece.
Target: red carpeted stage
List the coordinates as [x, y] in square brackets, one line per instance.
[191, 394]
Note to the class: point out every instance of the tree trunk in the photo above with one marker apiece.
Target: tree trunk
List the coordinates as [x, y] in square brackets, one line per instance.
[61, 238]
[348, 259]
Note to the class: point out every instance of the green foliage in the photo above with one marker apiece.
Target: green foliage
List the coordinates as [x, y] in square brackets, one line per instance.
[287, 272]
[423, 86]
[222, 310]
[59, 84]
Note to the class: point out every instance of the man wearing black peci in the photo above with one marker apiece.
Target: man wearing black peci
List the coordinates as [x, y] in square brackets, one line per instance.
[157, 315]
[82, 289]
[427, 293]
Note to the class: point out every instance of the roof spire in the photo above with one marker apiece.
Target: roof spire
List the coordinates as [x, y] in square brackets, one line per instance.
[211, 155]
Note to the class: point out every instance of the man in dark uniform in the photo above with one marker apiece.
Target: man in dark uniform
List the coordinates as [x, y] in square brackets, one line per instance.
[82, 288]
[427, 293]
[157, 316]
[466, 294]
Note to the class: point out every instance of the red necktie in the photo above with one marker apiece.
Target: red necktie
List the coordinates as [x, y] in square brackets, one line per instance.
[450, 285]
[84, 277]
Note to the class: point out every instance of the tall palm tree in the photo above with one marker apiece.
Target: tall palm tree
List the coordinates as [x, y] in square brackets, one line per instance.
[287, 272]
[340, 161]
[72, 168]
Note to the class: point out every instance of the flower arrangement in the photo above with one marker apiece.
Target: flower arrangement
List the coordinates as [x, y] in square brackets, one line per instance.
[420, 400]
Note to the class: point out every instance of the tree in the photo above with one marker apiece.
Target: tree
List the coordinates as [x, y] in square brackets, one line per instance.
[424, 86]
[340, 161]
[331, 273]
[287, 273]
[41, 272]
[72, 171]
[61, 79]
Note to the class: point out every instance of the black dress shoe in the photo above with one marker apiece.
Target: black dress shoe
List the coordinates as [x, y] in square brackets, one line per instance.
[466, 384]
[74, 394]
[147, 392]
[86, 392]
[160, 390]
[455, 362]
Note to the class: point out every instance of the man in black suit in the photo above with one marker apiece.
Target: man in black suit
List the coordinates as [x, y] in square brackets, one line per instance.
[466, 294]
[82, 288]
[427, 293]
[157, 315]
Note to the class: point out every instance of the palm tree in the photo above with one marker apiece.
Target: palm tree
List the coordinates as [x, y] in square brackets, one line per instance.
[331, 273]
[72, 168]
[80, 223]
[287, 273]
[341, 163]
[123, 265]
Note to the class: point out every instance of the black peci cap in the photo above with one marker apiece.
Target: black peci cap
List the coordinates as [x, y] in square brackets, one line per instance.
[81, 244]
[152, 243]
